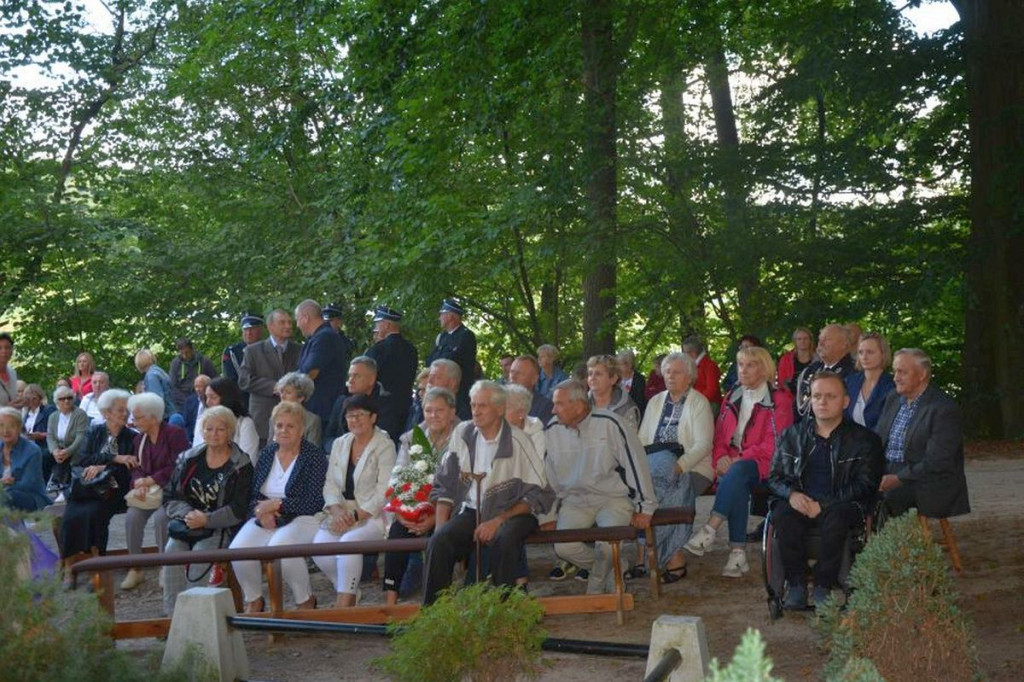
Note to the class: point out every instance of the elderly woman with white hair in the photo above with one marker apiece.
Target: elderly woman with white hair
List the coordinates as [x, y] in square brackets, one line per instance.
[287, 493]
[518, 401]
[21, 472]
[156, 448]
[297, 387]
[65, 436]
[108, 446]
[678, 432]
[439, 420]
[207, 498]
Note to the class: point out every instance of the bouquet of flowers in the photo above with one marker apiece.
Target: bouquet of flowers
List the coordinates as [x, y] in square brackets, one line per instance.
[411, 484]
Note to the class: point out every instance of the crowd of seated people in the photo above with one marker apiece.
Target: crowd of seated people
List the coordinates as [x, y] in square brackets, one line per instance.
[258, 466]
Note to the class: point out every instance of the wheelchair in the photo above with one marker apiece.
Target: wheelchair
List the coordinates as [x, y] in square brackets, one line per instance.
[774, 572]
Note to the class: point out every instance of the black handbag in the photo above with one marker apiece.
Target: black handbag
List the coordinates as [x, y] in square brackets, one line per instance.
[179, 530]
[101, 487]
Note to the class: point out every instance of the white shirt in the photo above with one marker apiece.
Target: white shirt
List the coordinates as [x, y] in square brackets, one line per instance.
[63, 420]
[246, 438]
[277, 481]
[751, 396]
[91, 406]
[484, 457]
[30, 419]
[858, 409]
[197, 431]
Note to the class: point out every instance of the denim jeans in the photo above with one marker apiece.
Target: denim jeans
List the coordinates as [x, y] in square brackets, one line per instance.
[732, 501]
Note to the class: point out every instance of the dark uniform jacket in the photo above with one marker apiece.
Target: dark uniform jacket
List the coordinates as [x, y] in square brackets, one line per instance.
[397, 362]
[459, 346]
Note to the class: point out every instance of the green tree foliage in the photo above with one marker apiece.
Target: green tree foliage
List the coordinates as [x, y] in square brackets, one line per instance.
[774, 165]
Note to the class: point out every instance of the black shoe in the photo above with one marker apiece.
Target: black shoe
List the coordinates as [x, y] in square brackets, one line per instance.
[755, 536]
[671, 575]
[583, 575]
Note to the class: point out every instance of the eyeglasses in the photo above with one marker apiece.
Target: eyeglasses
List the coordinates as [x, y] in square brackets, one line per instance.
[357, 414]
[67, 397]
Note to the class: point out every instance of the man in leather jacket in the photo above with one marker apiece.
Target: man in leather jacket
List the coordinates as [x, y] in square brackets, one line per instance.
[825, 474]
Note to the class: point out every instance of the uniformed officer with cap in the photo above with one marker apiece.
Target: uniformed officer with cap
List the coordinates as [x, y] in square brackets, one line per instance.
[456, 343]
[332, 315]
[396, 359]
[231, 358]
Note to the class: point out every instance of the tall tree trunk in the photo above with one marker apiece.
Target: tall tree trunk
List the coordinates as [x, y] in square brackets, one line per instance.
[741, 244]
[599, 76]
[683, 225]
[994, 338]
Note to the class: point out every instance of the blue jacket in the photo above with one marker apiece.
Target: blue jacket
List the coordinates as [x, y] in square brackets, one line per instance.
[304, 493]
[27, 470]
[325, 351]
[873, 406]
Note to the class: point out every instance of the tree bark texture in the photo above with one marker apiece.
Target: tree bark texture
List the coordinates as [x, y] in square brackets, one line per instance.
[994, 336]
[599, 82]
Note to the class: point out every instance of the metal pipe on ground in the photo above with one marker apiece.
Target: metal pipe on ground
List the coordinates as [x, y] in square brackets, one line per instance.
[565, 646]
[669, 662]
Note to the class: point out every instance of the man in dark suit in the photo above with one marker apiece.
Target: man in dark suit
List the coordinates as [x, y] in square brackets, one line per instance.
[922, 431]
[263, 363]
[397, 360]
[456, 343]
[322, 359]
[231, 358]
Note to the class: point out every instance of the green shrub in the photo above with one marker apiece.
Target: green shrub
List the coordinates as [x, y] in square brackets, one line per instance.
[902, 615]
[749, 664]
[479, 633]
[57, 636]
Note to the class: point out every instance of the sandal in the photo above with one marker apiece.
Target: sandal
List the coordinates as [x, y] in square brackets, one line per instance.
[671, 575]
[255, 606]
[635, 573]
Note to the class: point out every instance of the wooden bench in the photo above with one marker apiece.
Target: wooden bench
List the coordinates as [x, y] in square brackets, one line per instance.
[668, 516]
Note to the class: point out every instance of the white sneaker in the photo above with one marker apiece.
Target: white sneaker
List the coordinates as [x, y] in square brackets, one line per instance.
[737, 564]
[700, 541]
[133, 579]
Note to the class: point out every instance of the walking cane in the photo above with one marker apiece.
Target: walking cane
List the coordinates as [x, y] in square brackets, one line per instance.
[478, 477]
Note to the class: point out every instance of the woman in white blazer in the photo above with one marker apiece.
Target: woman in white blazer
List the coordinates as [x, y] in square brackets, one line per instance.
[678, 430]
[357, 476]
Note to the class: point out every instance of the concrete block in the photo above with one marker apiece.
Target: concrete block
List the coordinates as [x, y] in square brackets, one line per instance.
[685, 634]
[199, 626]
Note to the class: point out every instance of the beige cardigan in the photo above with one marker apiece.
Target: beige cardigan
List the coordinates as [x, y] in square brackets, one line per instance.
[696, 431]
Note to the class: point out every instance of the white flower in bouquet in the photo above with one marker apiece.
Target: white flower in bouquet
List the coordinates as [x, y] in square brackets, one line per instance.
[422, 465]
[416, 450]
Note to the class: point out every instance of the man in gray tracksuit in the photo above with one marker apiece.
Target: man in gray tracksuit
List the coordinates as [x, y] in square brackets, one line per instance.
[598, 469]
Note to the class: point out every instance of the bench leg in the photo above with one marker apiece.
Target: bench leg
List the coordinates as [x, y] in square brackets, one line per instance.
[947, 540]
[653, 570]
[954, 551]
[103, 587]
[620, 589]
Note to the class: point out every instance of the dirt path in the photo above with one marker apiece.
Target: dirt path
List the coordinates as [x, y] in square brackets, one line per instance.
[991, 540]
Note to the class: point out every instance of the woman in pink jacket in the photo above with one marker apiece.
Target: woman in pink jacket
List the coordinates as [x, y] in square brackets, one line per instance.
[752, 417]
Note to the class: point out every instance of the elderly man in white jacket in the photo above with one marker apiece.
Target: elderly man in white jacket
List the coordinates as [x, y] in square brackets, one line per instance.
[599, 472]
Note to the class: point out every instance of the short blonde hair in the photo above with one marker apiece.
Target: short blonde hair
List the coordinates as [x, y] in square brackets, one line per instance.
[761, 356]
[144, 359]
[290, 408]
[609, 362]
[222, 414]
